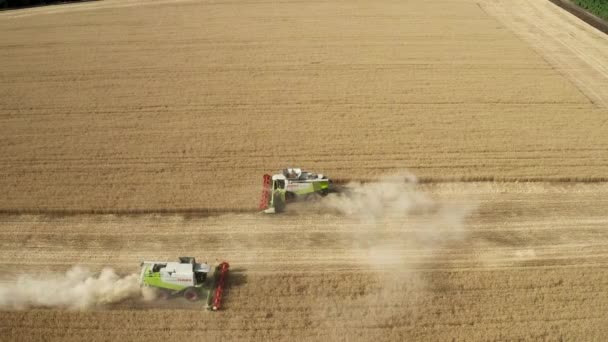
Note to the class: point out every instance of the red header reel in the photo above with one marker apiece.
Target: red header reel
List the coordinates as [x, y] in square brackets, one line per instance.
[266, 193]
[221, 273]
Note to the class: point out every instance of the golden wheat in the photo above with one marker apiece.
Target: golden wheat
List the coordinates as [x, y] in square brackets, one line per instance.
[183, 106]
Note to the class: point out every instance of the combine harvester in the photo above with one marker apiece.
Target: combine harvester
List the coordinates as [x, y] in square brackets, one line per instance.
[288, 186]
[186, 278]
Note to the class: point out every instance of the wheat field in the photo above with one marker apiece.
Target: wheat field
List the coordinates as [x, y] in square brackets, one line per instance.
[171, 106]
[139, 130]
[528, 264]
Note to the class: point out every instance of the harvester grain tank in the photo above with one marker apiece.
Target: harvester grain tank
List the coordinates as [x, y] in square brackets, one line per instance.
[186, 278]
[291, 184]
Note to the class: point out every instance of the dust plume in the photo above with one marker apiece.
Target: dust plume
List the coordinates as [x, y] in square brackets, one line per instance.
[401, 230]
[76, 289]
[400, 214]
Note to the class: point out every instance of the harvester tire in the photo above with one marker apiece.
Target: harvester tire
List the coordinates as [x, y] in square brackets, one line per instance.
[163, 294]
[290, 196]
[191, 294]
[278, 203]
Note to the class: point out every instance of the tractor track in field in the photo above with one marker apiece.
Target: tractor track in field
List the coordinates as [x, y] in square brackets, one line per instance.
[460, 107]
[341, 183]
[138, 130]
[583, 14]
[570, 45]
[532, 253]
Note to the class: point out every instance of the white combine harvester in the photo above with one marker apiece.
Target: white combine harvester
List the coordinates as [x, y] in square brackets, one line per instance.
[289, 185]
[185, 278]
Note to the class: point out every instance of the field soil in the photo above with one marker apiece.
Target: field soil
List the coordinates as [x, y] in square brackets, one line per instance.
[575, 49]
[136, 130]
[528, 263]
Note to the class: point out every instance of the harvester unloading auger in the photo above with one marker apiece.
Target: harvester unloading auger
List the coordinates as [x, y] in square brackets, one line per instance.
[186, 278]
[291, 184]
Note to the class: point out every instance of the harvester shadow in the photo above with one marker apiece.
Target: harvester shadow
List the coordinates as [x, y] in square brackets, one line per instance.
[236, 278]
[53, 3]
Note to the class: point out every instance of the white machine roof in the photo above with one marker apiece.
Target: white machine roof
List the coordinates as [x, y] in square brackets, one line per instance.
[179, 267]
[202, 268]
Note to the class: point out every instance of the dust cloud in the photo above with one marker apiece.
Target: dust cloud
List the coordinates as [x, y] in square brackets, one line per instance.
[400, 229]
[76, 289]
[397, 214]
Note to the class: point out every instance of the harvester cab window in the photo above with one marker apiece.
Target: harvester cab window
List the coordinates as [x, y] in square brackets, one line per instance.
[157, 267]
[279, 184]
[187, 260]
[200, 277]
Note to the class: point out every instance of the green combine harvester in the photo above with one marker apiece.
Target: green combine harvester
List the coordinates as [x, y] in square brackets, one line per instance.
[186, 278]
[288, 186]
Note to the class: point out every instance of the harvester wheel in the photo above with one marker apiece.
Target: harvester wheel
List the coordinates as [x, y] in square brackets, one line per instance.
[163, 294]
[278, 203]
[289, 196]
[191, 294]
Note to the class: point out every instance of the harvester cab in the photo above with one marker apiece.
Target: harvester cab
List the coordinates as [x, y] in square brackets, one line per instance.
[291, 184]
[186, 278]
